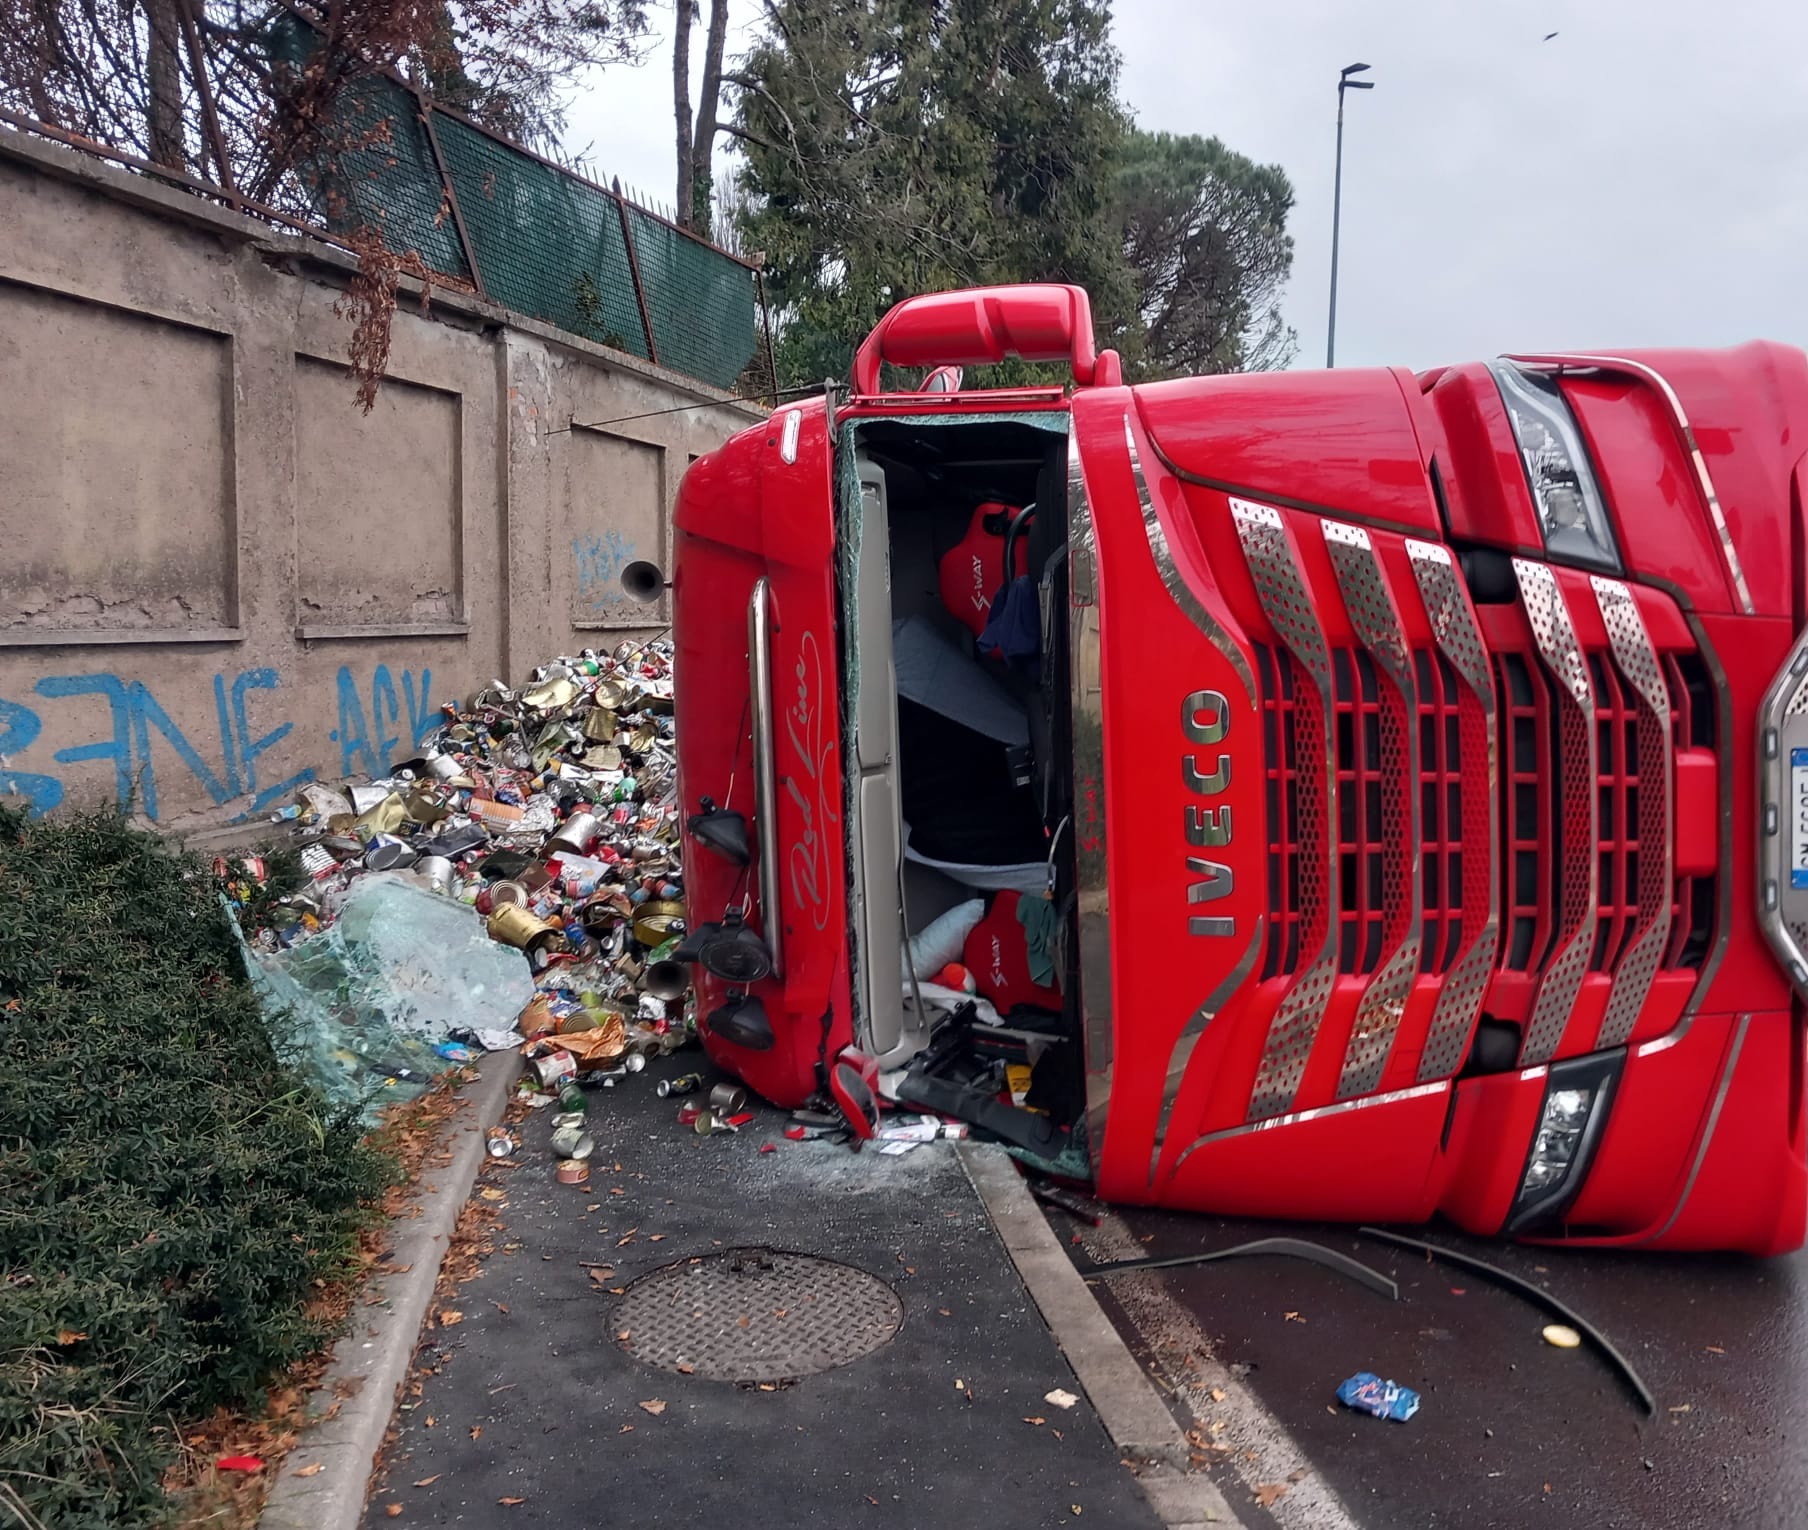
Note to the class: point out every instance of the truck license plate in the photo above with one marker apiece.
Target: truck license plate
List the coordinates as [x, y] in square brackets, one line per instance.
[1798, 817]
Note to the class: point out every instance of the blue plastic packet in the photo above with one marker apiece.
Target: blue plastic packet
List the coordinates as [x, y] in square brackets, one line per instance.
[1368, 1393]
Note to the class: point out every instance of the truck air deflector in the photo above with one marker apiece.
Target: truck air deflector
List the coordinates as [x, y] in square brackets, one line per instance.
[1181, 1054]
[1560, 649]
[1458, 638]
[1377, 623]
[1637, 660]
[1281, 588]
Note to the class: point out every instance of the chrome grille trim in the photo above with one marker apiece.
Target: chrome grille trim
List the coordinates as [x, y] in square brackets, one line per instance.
[1317, 1113]
[1181, 1057]
[1458, 638]
[1281, 588]
[1364, 588]
[1561, 650]
[1637, 660]
[1177, 588]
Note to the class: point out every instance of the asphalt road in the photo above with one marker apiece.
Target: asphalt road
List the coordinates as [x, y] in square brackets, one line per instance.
[1511, 1431]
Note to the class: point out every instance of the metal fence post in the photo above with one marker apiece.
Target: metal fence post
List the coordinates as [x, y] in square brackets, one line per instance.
[445, 179]
[759, 282]
[640, 292]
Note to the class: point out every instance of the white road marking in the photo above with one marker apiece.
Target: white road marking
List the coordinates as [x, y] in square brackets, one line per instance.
[1172, 1337]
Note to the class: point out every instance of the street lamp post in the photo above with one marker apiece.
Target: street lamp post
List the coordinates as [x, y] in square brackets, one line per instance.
[1344, 82]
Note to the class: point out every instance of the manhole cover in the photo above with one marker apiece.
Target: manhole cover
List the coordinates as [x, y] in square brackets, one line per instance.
[755, 1314]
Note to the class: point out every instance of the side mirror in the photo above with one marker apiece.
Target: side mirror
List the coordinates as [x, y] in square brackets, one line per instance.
[642, 581]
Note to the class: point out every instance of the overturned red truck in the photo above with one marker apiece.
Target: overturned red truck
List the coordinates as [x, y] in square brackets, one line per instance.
[1350, 795]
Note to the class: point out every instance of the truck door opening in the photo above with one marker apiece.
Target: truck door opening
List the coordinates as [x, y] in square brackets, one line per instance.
[953, 582]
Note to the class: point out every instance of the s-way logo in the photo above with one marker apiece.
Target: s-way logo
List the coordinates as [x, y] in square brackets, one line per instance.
[981, 601]
[1205, 719]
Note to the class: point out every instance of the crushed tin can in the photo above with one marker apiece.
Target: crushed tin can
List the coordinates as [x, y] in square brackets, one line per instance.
[388, 852]
[572, 1171]
[555, 1068]
[572, 1142]
[440, 873]
[577, 834]
[685, 1083]
[728, 1099]
[498, 1143]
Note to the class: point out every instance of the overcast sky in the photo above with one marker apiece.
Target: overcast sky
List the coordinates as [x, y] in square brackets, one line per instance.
[1640, 179]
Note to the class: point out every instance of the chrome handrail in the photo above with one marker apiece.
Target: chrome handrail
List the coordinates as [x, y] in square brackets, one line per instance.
[765, 775]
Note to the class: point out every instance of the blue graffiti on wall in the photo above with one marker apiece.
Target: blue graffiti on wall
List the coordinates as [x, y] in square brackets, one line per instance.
[600, 561]
[364, 745]
[367, 740]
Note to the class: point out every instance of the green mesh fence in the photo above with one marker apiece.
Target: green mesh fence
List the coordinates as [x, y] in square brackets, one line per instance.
[546, 242]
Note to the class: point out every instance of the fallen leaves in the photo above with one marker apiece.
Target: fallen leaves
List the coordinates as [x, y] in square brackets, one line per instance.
[1217, 1394]
[510, 1502]
[394, 1510]
[654, 1405]
[491, 1193]
[476, 1431]
[428, 1481]
[1269, 1493]
[315, 1469]
[450, 1317]
[1037, 1419]
[68, 1336]
[1292, 1317]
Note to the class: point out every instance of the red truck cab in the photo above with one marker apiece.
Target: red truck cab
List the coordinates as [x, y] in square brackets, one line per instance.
[1354, 795]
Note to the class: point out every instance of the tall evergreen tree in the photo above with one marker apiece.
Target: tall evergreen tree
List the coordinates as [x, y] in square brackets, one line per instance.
[1206, 229]
[904, 146]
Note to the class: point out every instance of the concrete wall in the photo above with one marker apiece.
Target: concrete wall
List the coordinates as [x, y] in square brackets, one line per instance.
[219, 578]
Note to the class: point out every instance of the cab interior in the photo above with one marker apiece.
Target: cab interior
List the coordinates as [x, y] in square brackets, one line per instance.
[960, 780]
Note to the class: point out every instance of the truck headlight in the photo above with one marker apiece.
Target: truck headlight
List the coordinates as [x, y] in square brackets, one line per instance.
[1559, 1136]
[1571, 1119]
[1571, 511]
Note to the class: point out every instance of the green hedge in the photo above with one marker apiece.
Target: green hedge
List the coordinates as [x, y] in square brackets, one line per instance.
[169, 1189]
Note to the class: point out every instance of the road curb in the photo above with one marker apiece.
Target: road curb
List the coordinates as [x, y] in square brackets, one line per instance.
[371, 1362]
[1126, 1401]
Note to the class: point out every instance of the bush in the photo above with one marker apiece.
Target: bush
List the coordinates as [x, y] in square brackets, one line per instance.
[171, 1194]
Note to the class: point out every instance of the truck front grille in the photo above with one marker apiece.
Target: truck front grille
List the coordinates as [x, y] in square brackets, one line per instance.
[1525, 784]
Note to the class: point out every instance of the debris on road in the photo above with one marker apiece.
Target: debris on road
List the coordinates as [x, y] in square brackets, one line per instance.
[1537, 1295]
[1368, 1393]
[1562, 1336]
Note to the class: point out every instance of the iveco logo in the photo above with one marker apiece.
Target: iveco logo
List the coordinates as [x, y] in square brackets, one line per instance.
[1205, 719]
